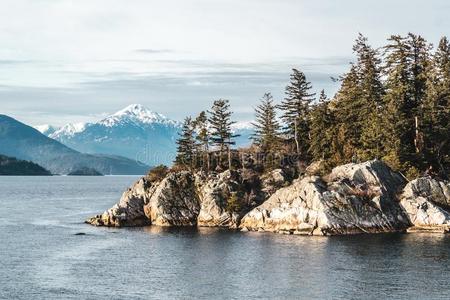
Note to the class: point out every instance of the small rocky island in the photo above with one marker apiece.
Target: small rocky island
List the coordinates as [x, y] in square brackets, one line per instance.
[85, 171]
[354, 198]
[296, 176]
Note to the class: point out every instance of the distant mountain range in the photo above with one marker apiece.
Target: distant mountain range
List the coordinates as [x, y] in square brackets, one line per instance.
[26, 143]
[134, 132]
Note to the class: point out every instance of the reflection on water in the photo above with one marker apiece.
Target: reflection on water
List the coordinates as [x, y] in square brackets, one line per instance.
[43, 257]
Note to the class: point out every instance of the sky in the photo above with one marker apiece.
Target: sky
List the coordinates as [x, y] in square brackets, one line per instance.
[67, 61]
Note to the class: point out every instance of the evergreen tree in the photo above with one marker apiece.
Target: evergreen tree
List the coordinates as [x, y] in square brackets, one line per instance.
[437, 110]
[202, 137]
[397, 102]
[321, 129]
[406, 71]
[221, 135]
[394, 106]
[349, 112]
[266, 125]
[371, 92]
[419, 61]
[186, 144]
[358, 104]
[369, 72]
[296, 108]
[441, 61]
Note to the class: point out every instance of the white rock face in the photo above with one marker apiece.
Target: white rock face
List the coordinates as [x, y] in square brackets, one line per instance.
[183, 199]
[374, 174]
[130, 209]
[427, 203]
[354, 198]
[213, 197]
[174, 202]
[169, 202]
[360, 198]
[273, 181]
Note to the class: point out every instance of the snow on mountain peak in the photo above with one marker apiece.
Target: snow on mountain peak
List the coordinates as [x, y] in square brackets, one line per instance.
[45, 129]
[69, 130]
[138, 114]
[242, 125]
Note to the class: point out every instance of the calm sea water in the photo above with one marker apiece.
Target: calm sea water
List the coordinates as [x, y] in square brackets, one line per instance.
[42, 257]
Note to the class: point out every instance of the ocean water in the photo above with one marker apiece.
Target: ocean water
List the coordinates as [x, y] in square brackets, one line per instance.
[42, 255]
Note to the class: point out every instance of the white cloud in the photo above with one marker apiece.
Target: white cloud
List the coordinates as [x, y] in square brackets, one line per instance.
[55, 47]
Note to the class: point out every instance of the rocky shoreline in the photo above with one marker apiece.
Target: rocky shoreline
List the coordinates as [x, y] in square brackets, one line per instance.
[354, 198]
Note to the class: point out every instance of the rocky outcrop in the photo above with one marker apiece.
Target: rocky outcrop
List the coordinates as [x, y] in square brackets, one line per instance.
[226, 197]
[273, 181]
[354, 198]
[214, 195]
[427, 203]
[174, 201]
[170, 202]
[358, 198]
[130, 209]
[184, 199]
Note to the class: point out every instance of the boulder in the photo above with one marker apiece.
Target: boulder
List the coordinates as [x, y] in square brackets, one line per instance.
[174, 202]
[316, 168]
[171, 201]
[373, 174]
[358, 198]
[130, 209]
[215, 196]
[354, 198]
[427, 203]
[273, 181]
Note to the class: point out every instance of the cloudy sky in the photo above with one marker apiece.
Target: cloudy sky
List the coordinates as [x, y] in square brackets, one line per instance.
[77, 60]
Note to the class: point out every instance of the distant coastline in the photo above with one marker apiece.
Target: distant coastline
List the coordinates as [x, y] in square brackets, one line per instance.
[10, 166]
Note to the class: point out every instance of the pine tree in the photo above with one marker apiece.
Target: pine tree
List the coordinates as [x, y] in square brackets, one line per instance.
[397, 101]
[371, 90]
[437, 110]
[349, 107]
[321, 129]
[221, 135]
[186, 144]
[266, 125]
[202, 138]
[296, 108]
[406, 72]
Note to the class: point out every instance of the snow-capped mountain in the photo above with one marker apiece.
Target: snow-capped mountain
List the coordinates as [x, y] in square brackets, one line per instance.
[245, 130]
[137, 114]
[45, 129]
[68, 130]
[24, 142]
[134, 132]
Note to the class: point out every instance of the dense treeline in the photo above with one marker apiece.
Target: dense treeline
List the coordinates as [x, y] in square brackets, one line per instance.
[13, 166]
[393, 104]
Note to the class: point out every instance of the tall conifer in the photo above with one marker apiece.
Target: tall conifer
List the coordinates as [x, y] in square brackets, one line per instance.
[321, 129]
[221, 135]
[202, 138]
[296, 107]
[186, 144]
[266, 125]
[437, 110]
